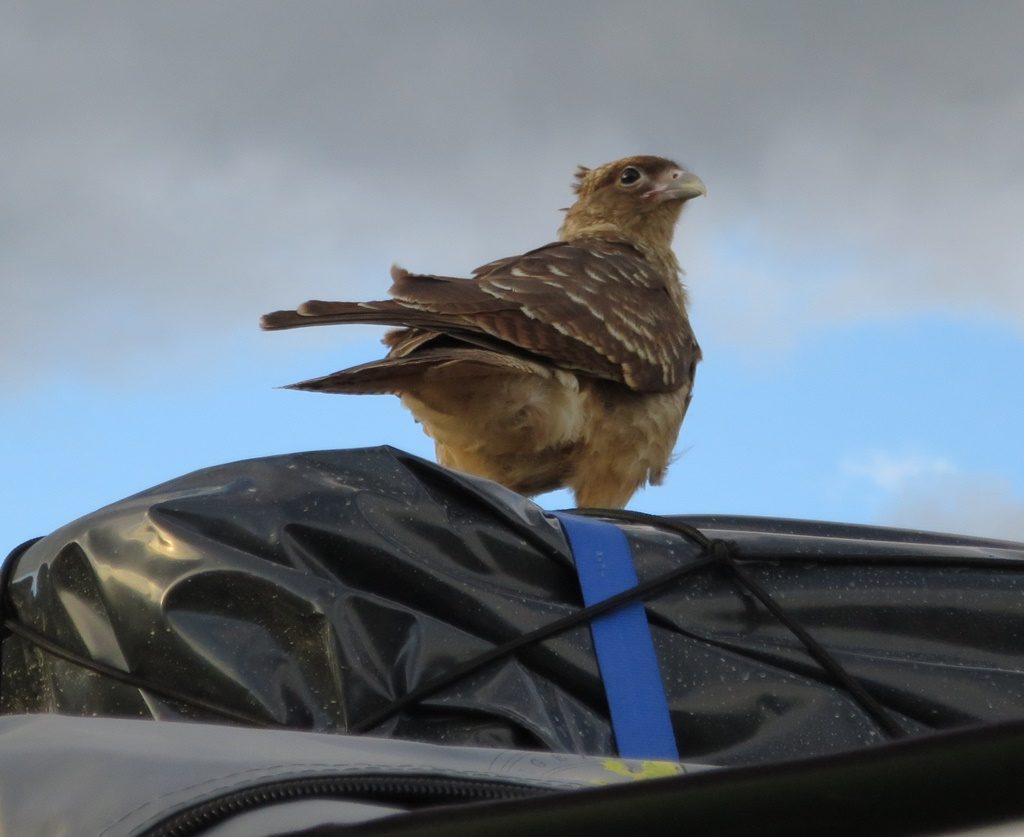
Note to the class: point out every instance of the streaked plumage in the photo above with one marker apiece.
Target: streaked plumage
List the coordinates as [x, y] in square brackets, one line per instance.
[570, 365]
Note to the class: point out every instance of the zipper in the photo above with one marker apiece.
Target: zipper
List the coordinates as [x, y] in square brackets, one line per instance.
[416, 791]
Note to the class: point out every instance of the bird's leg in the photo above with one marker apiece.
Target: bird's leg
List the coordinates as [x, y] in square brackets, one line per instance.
[606, 491]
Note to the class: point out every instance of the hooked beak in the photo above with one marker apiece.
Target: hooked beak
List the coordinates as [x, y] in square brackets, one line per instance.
[676, 185]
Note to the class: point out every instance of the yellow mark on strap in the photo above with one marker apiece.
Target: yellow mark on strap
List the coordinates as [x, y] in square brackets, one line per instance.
[637, 770]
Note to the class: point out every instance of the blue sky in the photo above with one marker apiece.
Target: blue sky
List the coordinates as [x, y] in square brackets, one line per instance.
[880, 432]
[855, 271]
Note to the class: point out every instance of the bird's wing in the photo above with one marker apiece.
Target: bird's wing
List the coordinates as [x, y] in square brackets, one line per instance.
[595, 307]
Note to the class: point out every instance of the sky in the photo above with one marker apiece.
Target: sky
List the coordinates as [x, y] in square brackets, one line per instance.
[170, 171]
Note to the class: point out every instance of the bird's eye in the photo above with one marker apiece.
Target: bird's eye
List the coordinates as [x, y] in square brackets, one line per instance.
[629, 176]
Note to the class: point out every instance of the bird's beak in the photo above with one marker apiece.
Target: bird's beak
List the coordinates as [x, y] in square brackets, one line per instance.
[676, 185]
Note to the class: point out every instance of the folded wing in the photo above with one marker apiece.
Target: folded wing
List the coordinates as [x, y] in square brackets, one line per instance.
[597, 308]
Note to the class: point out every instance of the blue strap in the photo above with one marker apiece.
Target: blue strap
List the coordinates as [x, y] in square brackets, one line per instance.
[622, 641]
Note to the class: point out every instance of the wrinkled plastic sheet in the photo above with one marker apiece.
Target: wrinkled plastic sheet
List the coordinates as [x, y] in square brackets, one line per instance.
[109, 777]
[307, 591]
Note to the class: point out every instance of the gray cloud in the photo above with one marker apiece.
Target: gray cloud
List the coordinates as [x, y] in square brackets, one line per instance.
[171, 170]
[929, 492]
[973, 504]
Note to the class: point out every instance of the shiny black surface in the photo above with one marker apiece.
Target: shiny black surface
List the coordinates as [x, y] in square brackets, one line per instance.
[309, 590]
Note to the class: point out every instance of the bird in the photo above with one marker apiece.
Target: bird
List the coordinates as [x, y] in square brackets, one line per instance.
[569, 366]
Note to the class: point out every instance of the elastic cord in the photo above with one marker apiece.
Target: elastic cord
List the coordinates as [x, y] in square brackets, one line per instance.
[580, 617]
[724, 555]
[139, 682]
[714, 552]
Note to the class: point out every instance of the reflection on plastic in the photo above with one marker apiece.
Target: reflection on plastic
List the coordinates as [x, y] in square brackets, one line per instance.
[308, 591]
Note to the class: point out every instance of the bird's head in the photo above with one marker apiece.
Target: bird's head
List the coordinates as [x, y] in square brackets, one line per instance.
[636, 199]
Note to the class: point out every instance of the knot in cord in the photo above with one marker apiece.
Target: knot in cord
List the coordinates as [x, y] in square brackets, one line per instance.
[719, 550]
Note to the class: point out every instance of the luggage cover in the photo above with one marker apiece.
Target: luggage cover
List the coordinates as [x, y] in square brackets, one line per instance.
[308, 591]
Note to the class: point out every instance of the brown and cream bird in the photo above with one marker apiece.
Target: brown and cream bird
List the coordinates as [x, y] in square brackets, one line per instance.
[568, 366]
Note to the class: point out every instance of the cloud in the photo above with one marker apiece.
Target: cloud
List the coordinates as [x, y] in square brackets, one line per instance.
[974, 504]
[170, 171]
[922, 491]
[894, 473]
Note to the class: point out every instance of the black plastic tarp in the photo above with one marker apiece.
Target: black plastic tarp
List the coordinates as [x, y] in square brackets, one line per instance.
[311, 590]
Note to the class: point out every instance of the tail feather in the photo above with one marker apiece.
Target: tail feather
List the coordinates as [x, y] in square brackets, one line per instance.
[376, 377]
[396, 375]
[316, 312]
[386, 312]
[347, 310]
